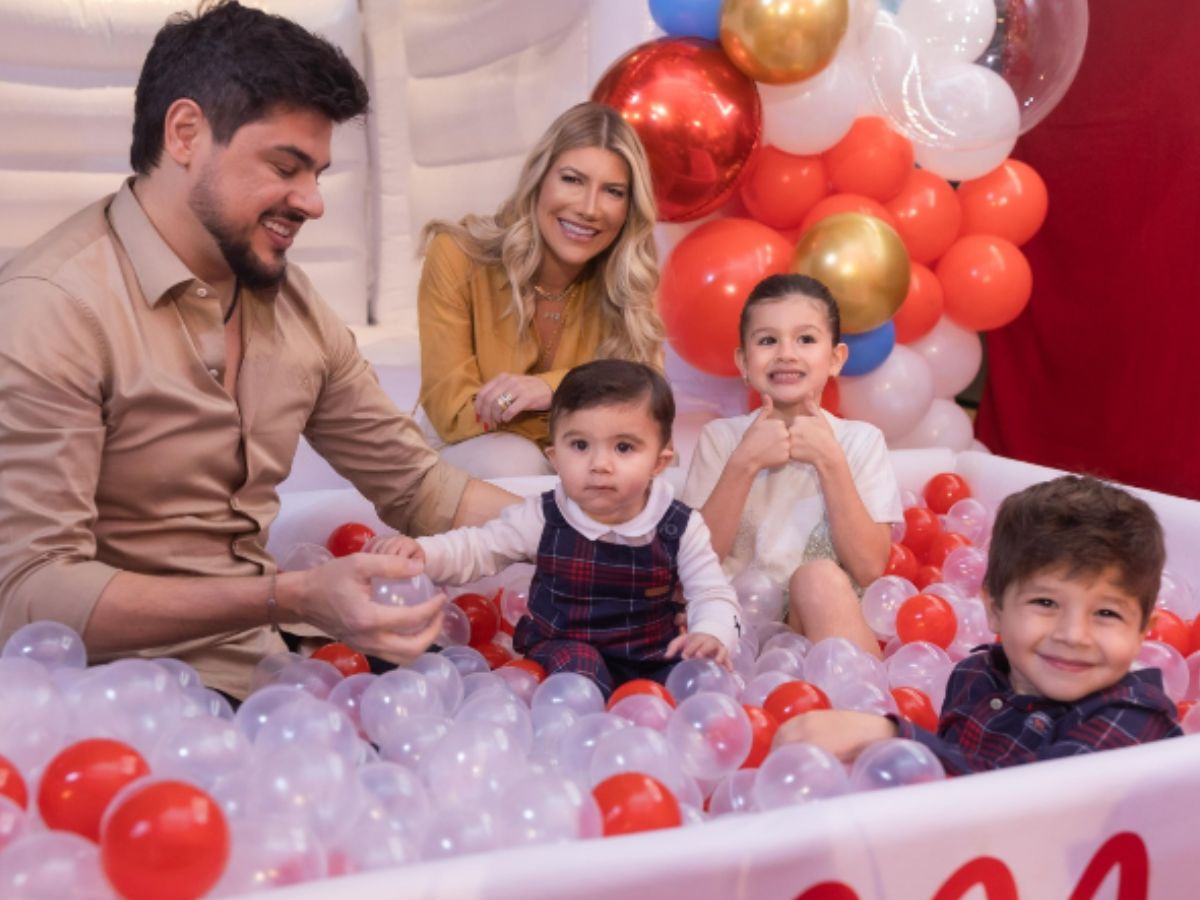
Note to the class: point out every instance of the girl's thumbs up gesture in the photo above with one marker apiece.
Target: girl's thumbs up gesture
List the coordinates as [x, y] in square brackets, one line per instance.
[810, 437]
[766, 443]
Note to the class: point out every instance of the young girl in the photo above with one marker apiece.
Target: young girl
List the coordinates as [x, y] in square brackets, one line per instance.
[801, 495]
[611, 543]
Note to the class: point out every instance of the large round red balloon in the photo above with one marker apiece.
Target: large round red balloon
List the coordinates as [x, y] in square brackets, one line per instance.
[926, 617]
[698, 116]
[483, 616]
[12, 784]
[1010, 202]
[632, 802]
[987, 281]
[780, 188]
[920, 527]
[794, 698]
[348, 538]
[922, 307]
[872, 160]
[915, 706]
[945, 489]
[928, 215]
[345, 659]
[836, 204]
[762, 732]
[81, 780]
[705, 282]
[165, 841]
[641, 686]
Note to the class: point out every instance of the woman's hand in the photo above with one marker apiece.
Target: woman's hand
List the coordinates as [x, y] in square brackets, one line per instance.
[506, 396]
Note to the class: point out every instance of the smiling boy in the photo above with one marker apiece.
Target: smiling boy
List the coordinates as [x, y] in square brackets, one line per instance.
[1073, 574]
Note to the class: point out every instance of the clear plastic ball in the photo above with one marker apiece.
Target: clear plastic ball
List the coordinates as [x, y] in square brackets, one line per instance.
[734, 793]
[578, 693]
[52, 644]
[409, 741]
[411, 591]
[45, 864]
[443, 675]
[644, 709]
[1170, 662]
[692, 676]
[546, 808]
[397, 694]
[710, 735]
[894, 763]
[472, 764]
[880, 601]
[794, 774]
[201, 751]
[467, 660]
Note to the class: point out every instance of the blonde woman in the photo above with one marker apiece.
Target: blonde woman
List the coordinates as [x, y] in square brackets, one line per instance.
[564, 272]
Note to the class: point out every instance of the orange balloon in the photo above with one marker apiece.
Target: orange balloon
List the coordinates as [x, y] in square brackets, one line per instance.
[922, 306]
[1010, 201]
[843, 203]
[928, 215]
[780, 188]
[872, 160]
[987, 281]
[706, 280]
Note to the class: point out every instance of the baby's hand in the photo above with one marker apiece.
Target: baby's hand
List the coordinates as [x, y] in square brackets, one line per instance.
[395, 545]
[766, 443]
[842, 732]
[695, 644]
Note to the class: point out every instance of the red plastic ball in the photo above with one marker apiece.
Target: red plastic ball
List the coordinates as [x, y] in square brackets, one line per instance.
[166, 841]
[345, 659]
[348, 538]
[902, 562]
[921, 525]
[926, 617]
[641, 686]
[945, 489]
[763, 726]
[925, 576]
[495, 655]
[631, 802]
[533, 668]
[81, 780]
[1167, 627]
[915, 706]
[794, 698]
[941, 545]
[1183, 707]
[12, 784]
[483, 616]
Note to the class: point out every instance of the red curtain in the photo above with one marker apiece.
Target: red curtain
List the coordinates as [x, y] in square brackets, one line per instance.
[1101, 373]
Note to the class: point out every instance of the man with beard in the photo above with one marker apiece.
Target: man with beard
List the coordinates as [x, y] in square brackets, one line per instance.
[160, 360]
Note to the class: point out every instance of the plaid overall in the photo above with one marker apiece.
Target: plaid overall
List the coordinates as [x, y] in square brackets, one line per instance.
[603, 610]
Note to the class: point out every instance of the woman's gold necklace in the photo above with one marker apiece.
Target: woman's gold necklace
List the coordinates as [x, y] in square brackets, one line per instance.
[553, 297]
[549, 339]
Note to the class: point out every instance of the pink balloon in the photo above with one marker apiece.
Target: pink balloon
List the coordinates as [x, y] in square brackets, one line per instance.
[894, 397]
[953, 353]
[945, 424]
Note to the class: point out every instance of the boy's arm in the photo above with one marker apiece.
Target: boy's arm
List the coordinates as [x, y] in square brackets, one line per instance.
[712, 604]
[466, 554]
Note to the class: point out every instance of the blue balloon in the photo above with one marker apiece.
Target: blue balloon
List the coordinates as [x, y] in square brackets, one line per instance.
[869, 349]
[688, 18]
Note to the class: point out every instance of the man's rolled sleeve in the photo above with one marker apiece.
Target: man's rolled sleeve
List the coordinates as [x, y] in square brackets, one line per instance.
[52, 365]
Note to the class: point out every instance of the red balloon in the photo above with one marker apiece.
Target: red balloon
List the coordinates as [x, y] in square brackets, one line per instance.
[941, 545]
[842, 203]
[483, 616]
[697, 115]
[921, 525]
[925, 576]
[705, 282]
[763, 726]
[641, 686]
[1183, 707]
[794, 698]
[922, 306]
[348, 538]
[915, 706]
[344, 659]
[945, 489]
[872, 160]
[987, 281]
[164, 841]
[1010, 202]
[533, 668]
[632, 802]
[495, 655]
[81, 780]
[928, 215]
[1167, 627]
[1195, 628]
[902, 562]
[780, 188]
[926, 617]
[12, 784]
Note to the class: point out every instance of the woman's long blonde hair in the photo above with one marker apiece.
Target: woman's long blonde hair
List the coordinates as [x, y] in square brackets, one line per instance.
[623, 278]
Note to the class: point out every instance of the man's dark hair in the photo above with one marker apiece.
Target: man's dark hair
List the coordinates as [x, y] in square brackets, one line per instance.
[613, 382]
[1081, 526]
[777, 287]
[239, 65]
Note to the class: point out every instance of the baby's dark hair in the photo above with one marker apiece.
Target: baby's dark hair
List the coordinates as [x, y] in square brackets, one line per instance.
[776, 287]
[613, 382]
[1080, 525]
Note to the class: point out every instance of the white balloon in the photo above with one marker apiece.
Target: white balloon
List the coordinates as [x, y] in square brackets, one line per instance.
[945, 424]
[953, 353]
[894, 397]
[954, 29]
[812, 115]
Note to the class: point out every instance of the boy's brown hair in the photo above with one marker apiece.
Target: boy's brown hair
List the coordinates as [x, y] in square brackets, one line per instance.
[1081, 525]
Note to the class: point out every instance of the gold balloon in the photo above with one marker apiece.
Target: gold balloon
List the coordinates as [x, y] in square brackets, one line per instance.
[862, 261]
[781, 41]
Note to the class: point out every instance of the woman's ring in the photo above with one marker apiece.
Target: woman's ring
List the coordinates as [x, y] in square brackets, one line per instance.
[504, 401]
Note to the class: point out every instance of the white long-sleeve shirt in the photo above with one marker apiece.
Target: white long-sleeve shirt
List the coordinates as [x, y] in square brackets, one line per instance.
[465, 554]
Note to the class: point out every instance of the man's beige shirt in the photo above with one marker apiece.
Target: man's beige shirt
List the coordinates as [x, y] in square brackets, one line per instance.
[121, 450]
